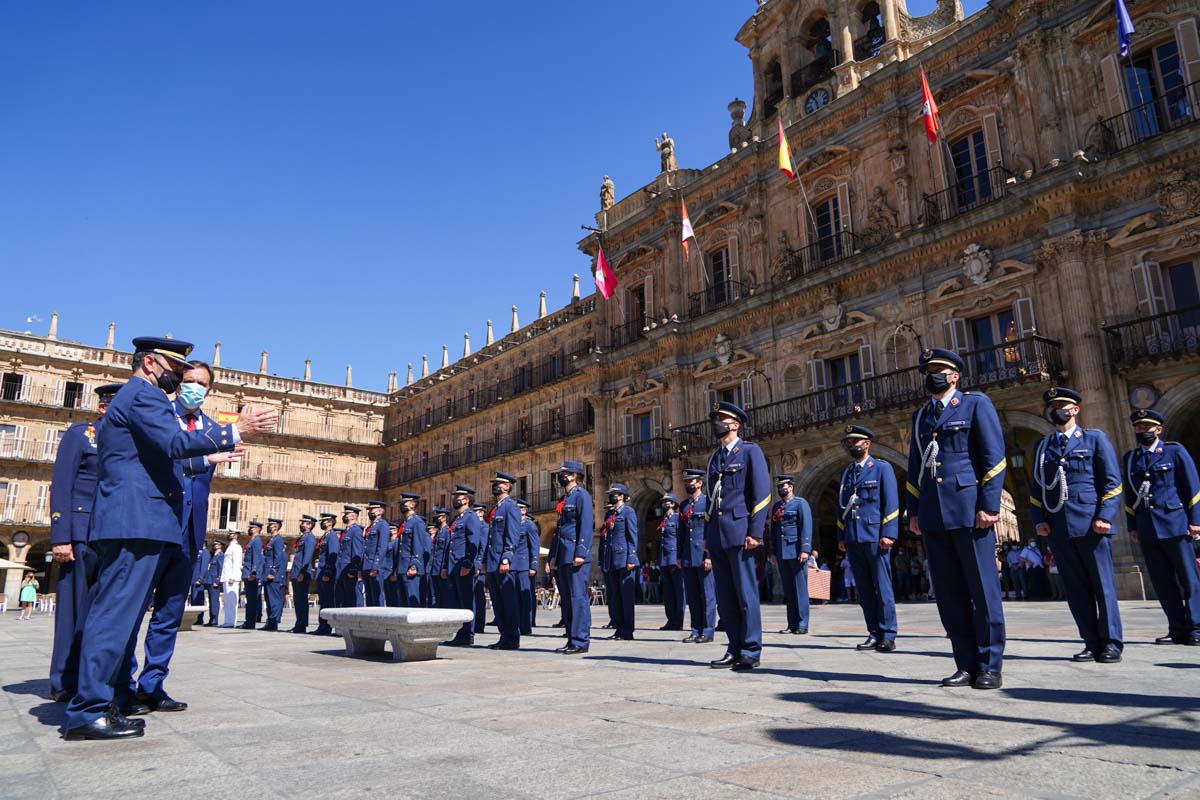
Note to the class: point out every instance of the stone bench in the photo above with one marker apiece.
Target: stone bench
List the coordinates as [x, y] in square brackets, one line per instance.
[414, 632]
[190, 614]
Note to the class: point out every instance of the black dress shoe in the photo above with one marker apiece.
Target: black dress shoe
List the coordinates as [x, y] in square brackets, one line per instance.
[1109, 655]
[1192, 641]
[720, 626]
[559, 624]
[492, 623]
[959, 678]
[1168, 640]
[295, 630]
[61, 697]
[1085, 654]
[110, 726]
[134, 709]
[886, 646]
[788, 630]
[869, 644]
[724, 662]
[210, 624]
[614, 636]
[573, 650]
[247, 626]
[270, 626]
[690, 640]
[322, 630]
[744, 663]
[666, 628]
[800, 631]
[988, 680]
[703, 639]
[628, 638]
[161, 702]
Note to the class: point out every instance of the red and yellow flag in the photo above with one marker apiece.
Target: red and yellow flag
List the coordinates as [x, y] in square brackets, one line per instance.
[606, 279]
[785, 153]
[227, 417]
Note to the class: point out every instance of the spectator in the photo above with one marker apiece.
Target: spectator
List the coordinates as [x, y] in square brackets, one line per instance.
[1031, 564]
[848, 580]
[1017, 571]
[1005, 573]
[28, 596]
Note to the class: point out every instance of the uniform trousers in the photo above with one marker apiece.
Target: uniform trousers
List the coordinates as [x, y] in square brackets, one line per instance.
[701, 595]
[327, 597]
[274, 591]
[70, 610]
[962, 566]
[673, 595]
[347, 593]
[737, 600]
[373, 589]
[214, 603]
[391, 591]
[231, 593]
[1175, 577]
[300, 599]
[873, 575]
[480, 603]
[525, 602]
[462, 595]
[573, 600]
[507, 606]
[412, 591]
[1085, 564]
[620, 585]
[253, 591]
[795, 592]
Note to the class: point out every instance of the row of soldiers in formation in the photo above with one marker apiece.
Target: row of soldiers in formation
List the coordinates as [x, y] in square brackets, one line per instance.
[121, 549]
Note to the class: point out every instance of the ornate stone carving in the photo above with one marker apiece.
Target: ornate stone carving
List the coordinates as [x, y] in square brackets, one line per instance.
[1178, 197]
[833, 311]
[976, 263]
[666, 153]
[724, 349]
[739, 134]
[1101, 142]
[882, 220]
[824, 184]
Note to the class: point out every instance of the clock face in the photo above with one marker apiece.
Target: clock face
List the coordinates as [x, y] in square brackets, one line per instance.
[819, 98]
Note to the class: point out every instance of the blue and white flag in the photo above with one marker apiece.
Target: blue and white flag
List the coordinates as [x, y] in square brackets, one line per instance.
[1125, 29]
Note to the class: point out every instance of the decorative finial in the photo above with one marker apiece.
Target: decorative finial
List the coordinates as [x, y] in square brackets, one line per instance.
[349, 378]
[445, 356]
[308, 369]
[516, 326]
[575, 289]
[112, 332]
[408, 379]
[53, 326]
[424, 366]
[542, 305]
[391, 381]
[262, 364]
[217, 355]
[466, 344]
[490, 338]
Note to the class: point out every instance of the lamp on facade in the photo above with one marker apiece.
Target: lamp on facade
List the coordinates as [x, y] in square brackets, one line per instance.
[1016, 457]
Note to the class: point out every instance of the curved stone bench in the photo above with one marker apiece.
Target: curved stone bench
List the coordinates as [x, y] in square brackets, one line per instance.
[190, 613]
[414, 632]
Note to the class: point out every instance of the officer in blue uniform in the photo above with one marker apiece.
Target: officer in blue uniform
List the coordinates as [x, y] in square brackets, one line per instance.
[619, 561]
[252, 575]
[529, 548]
[429, 578]
[571, 556]
[274, 573]
[212, 585]
[388, 568]
[481, 599]
[327, 554]
[694, 562]
[464, 560]
[300, 574]
[349, 564]
[1162, 512]
[375, 542]
[439, 590]
[955, 476]
[791, 547]
[200, 565]
[868, 521]
[671, 574]
[739, 492]
[412, 555]
[1076, 494]
[502, 561]
[72, 494]
[137, 519]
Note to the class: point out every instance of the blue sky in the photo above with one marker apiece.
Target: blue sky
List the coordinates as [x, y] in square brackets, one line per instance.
[348, 182]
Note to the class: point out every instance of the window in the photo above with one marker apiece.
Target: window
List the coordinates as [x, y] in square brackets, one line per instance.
[227, 516]
[1161, 289]
[425, 462]
[635, 311]
[973, 184]
[828, 217]
[845, 376]
[50, 445]
[449, 408]
[868, 45]
[73, 394]
[521, 489]
[366, 474]
[722, 276]
[469, 449]
[327, 424]
[12, 386]
[278, 509]
[12, 441]
[324, 470]
[772, 89]
[445, 455]
[428, 416]
[471, 398]
[524, 432]
[8, 498]
[279, 465]
[555, 422]
[842, 383]
[1182, 281]
[41, 514]
[1157, 89]
[820, 42]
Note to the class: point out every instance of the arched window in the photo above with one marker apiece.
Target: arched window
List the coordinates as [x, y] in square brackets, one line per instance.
[898, 353]
[772, 89]
[873, 36]
[972, 180]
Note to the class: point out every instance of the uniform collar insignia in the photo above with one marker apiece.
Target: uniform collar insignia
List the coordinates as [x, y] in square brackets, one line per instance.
[735, 449]
[1159, 450]
[870, 463]
[954, 400]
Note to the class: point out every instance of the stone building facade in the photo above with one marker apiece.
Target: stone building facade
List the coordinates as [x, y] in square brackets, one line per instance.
[1052, 235]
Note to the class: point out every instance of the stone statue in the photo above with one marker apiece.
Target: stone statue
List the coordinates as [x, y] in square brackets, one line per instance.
[608, 193]
[666, 149]
[739, 134]
[1101, 142]
[882, 220]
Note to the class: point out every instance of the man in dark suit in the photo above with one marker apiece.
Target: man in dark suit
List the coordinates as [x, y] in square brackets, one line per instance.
[138, 518]
[72, 494]
[739, 492]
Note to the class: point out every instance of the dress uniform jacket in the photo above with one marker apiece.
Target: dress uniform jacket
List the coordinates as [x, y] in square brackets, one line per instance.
[791, 529]
[466, 543]
[620, 543]
[868, 503]
[1093, 482]
[327, 555]
[414, 547]
[504, 534]
[73, 485]
[573, 535]
[504, 544]
[439, 547]
[212, 575]
[699, 590]
[350, 552]
[275, 559]
[200, 565]
[739, 492]
[375, 540]
[668, 546]
[302, 557]
[531, 541]
[692, 551]
[252, 561]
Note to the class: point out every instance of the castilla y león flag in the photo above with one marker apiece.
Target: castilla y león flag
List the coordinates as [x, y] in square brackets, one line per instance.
[688, 233]
[606, 279]
[929, 110]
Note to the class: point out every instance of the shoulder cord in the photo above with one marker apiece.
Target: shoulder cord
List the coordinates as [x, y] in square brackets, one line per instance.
[853, 501]
[1143, 489]
[1060, 479]
[929, 456]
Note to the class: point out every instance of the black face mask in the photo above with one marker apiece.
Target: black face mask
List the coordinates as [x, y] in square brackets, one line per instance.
[937, 382]
[345, 519]
[563, 480]
[497, 491]
[856, 451]
[168, 380]
[1146, 438]
[612, 499]
[1059, 416]
[719, 428]
[461, 503]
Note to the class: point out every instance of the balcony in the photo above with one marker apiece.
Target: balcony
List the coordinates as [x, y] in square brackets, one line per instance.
[480, 451]
[25, 514]
[820, 254]
[50, 396]
[986, 187]
[299, 476]
[714, 297]
[350, 434]
[1176, 109]
[818, 71]
[1170, 335]
[867, 47]
[14, 449]
[626, 334]
[650, 453]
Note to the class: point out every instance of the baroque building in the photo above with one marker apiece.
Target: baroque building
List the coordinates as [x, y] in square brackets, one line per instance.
[1051, 236]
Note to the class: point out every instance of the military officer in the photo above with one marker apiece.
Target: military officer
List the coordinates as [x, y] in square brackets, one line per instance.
[300, 573]
[571, 555]
[502, 560]
[1075, 497]
[791, 547]
[868, 519]
[619, 561]
[133, 530]
[387, 571]
[694, 562]
[212, 584]
[481, 599]
[375, 542]
[72, 494]
[955, 476]
[326, 572]
[739, 491]
[439, 543]
[349, 563]
[275, 573]
[428, 579]
[464, 559]
[1162, 509]
[412, 552]
[671, 574]
[530, 547]
[196, 593]
[252, 565]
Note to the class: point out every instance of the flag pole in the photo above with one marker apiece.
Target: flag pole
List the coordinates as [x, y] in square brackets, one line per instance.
[812, 217]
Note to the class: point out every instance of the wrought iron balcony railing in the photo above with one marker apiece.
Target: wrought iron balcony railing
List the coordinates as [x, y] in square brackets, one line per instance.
[1165, 112]
[1172, 334]
[649, 453]
[964, 195]
[25, 513]
[820, 254]
[716, 296]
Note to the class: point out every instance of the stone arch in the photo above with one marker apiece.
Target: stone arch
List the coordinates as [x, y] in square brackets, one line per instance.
[829, 465]
[646, 502]
[1178, 407]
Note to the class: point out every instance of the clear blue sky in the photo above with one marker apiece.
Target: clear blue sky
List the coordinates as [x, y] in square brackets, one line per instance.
[348, 182]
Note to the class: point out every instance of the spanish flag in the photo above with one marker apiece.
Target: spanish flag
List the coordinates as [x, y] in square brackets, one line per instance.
[227, 417]
[785, 153]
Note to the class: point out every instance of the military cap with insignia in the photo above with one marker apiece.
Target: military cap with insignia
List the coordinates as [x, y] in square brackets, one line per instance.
[256, 524]
[479, 507]
[276, 520]
[571, 466]
[780, 480]
[328, 515]
[521, 503]
[355, 509]
[670, 498]
[174, 350]
[694, 473]
[858, 432]
[941, 357]
[376, 504]
[460, 488]
[1059, 394]
[503, 477]
[618, 488]
[107, 390]
[724, 409]
[409, 496]
[1147, 415]
[308, 518]
[441, 512]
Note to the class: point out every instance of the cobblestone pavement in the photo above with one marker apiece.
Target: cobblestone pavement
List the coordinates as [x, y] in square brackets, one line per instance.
[282, 715]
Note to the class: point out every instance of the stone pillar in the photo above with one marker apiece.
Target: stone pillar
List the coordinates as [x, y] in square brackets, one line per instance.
[53, 334]
[575, 288]
[490, 338]
[112, 332]
[466, 344]
[349, 377]
[542, 305]
[216, 362]
[516, 325]
[1070, 260]
[424, 366]
[308, 369]
[891, 19]
[262, 363]
[445, 356]
[408, 378]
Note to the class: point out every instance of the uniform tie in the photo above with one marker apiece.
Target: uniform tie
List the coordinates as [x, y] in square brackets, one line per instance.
[1062, 443]
[857, 472]
[191, 421]
[938, 407]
